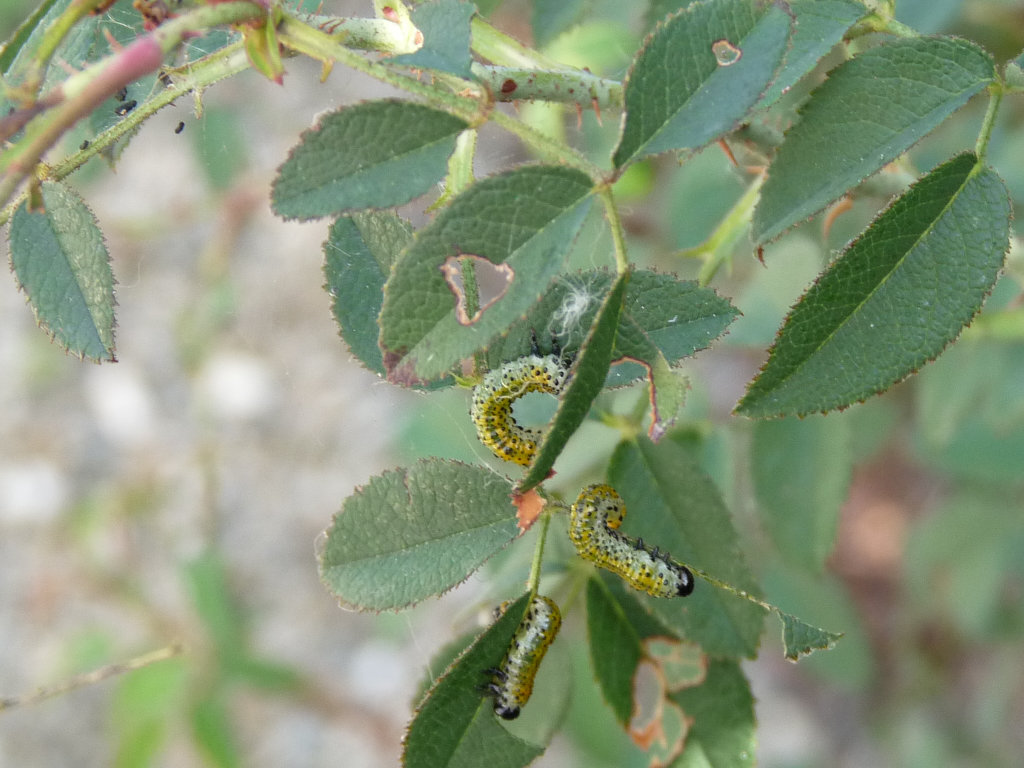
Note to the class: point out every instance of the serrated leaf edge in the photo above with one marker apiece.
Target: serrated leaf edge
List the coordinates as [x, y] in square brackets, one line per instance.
[635, 156]
[42, 324]
[321, 539]
[760, 241]
[738, 409]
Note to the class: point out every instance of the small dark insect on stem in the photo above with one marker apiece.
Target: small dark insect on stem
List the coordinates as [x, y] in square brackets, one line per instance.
[125, 107]
[84, 145]
[180, 127]
[122, 94]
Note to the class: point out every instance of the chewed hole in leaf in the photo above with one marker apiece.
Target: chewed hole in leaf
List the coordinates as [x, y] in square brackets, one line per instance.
[476, 284]
[648, 697]
[682, 664]
[726, 54]
[658, 726]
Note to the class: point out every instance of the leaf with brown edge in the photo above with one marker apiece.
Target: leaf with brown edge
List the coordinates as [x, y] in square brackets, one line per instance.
[618, 627]
[524, 220]
[871, 109]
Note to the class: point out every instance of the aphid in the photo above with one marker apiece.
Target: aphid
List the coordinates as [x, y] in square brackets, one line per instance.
[84, 145]
[125, 107]
[593, 522]
[512, 682]
[122, 93]
[180, 127]
[493, 398]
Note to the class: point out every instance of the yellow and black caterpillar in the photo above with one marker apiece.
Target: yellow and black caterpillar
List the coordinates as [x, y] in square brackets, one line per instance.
[512, 682]
[593, 522]
[494, 396]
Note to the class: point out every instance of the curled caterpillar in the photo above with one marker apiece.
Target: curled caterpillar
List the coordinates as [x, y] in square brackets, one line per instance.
[593, 520]
[493, 398]
[512, 682]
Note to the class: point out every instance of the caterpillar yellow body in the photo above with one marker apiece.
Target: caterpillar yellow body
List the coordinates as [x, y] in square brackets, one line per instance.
[593, 522]
[513, 680]
[494, 396]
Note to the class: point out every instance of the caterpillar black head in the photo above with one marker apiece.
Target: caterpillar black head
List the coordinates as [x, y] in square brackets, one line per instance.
[593, 523]
[512, 682]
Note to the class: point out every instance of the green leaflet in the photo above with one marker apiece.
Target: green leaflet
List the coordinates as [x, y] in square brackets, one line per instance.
[445, 28]
[721, 712]
[143, 706]
[62, 264]
[894, 300]
[415, 532]
[673, 504]
[20, 46]
[550, 18]
[820, 25]
[590, 371]
[801, 471]
[617, 626]
[358, 255]
[523, 222]
[869, 111]
[664, 320]
[800, 638]
[371, 155]
[681, 94]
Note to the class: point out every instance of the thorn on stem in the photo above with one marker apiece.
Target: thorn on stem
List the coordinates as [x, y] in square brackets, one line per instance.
[728, 153]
